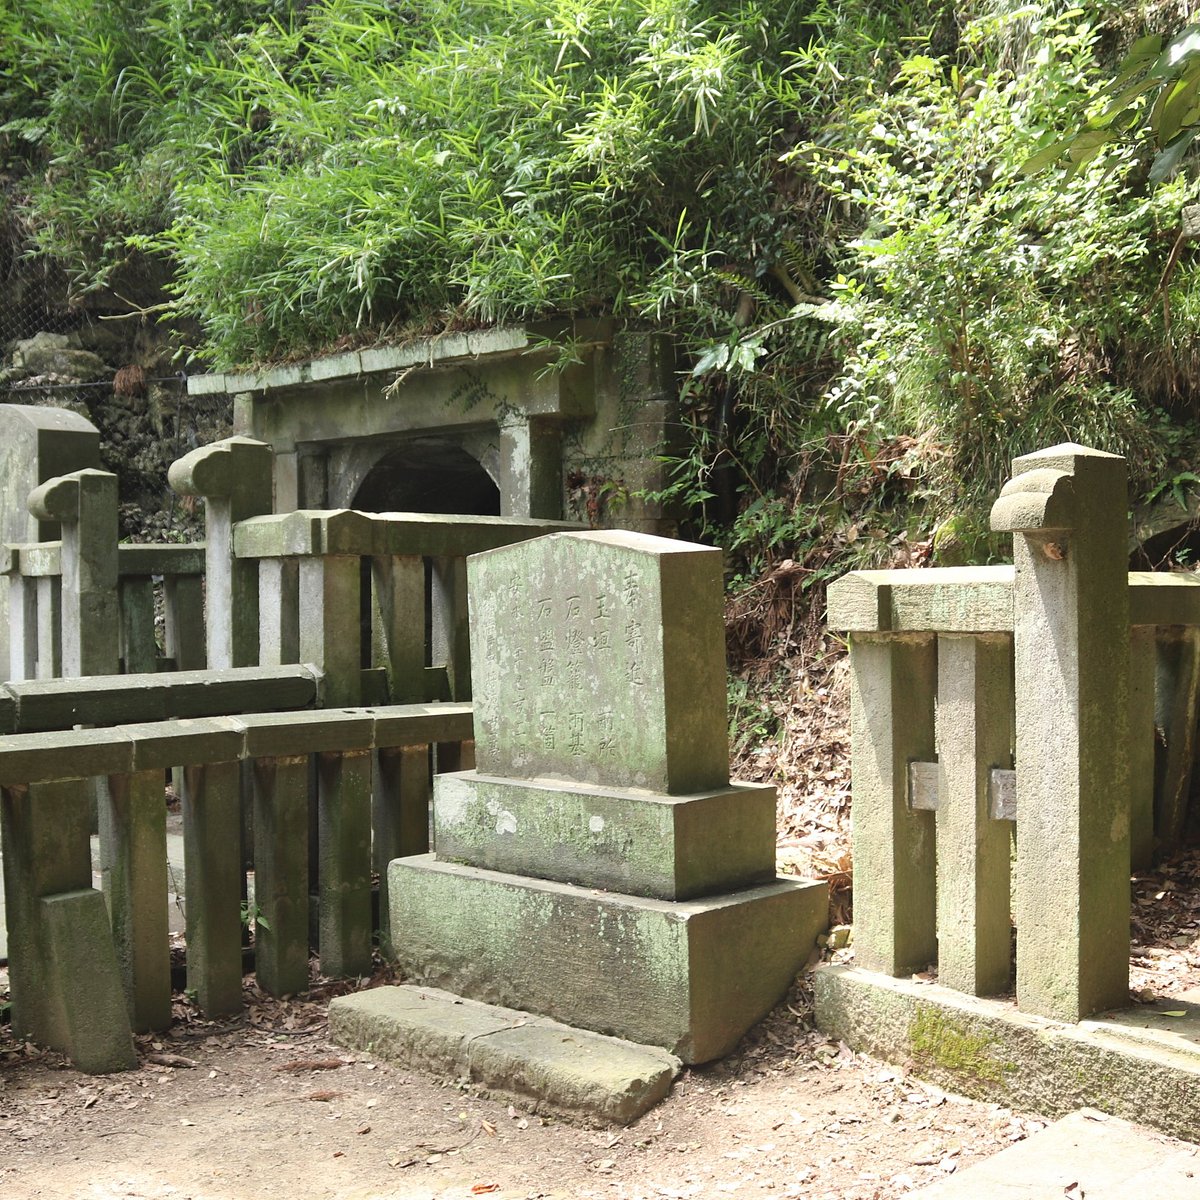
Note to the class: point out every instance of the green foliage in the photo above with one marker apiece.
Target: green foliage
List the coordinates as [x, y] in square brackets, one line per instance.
[986, 311]
[384, 164]
[1156, 93]
[252, 917]
[1176, 487]
[829, 203]
[103, 104]
[753, 719]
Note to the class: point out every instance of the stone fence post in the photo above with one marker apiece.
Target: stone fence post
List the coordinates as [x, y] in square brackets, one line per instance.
[85, 504]
[36, 444]
[234, 478]
[893, 686]
[1066, 507]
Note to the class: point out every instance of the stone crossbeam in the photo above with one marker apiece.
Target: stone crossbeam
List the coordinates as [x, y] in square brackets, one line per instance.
[41, 560]
[938, 600]
[32, 706]
[313, 532]
[979, 600]
[125, 749]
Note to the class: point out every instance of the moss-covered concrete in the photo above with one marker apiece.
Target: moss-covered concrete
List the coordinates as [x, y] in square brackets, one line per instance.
[640, 843]
[1130, 1064]
[691, 976]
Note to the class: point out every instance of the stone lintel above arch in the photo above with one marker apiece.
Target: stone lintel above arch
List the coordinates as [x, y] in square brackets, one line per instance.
[537, 406]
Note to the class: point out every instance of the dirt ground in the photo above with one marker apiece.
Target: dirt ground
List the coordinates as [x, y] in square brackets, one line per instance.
[267, 1106]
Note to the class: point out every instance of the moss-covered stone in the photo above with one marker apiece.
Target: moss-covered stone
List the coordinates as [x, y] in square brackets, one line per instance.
[641, 843]
[599, 657]
[690, 977]
[950, 1044]
[1122, 1064]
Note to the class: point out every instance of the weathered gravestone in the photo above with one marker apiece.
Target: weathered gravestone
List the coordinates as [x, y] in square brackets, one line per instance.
[598, 866]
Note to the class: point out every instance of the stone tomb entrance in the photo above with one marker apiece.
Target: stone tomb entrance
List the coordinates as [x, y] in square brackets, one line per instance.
[597, 868]
[527, 421]
[428, 475]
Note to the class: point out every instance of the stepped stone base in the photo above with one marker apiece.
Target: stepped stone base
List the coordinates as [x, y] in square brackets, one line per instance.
[690, 976]
[536, 1061]
[1136, 1063]
[631, 840]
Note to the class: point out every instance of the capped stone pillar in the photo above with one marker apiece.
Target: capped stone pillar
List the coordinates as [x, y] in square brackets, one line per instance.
[36, 444]
[234, 478]
[1067, 509]
[85, 504]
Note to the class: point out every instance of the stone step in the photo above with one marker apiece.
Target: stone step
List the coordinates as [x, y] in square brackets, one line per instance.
[633, 841]
[533, 1060]
[1085, 1155]
[689, 976]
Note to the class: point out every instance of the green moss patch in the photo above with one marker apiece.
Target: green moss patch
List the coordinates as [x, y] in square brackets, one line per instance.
[940, 1040]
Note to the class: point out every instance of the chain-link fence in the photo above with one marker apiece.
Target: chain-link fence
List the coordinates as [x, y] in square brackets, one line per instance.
[32, 298]
[115, 369]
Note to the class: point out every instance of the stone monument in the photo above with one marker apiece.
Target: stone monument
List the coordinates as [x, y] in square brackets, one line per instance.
[597, 866]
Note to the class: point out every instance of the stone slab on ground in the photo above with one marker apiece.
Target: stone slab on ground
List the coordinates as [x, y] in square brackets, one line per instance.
[1135, 1063]
[624, 840]
[689, 976]
[539, 1062]
[1087, 1154]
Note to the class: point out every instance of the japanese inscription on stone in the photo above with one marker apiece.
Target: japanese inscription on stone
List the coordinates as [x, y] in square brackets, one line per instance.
[599, 657]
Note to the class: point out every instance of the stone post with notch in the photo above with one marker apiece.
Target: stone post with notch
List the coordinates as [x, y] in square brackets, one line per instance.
[85, 504]
[1067, 509]
[234, 478]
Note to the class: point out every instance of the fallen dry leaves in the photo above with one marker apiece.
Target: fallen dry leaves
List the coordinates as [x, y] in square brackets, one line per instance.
[1165, 927]
[314, 1064]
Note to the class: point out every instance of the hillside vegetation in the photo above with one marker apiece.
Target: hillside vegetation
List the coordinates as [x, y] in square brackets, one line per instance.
[824, 201]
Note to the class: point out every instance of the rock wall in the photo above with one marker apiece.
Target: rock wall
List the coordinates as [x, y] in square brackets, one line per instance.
[121, 376]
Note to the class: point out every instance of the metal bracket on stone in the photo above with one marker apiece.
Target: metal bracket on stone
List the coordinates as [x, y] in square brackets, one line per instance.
[1002, 794]
[924, 794]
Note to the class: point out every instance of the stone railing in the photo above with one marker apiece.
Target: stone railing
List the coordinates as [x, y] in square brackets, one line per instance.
[405, 572]
[82, 977]
[377, 601]
[86, 605]
[319, 801]
[1028, 693]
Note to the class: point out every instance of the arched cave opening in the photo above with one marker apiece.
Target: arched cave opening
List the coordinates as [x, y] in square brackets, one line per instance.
[428, 475]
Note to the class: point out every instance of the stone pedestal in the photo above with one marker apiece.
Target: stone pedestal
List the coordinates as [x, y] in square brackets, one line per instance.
[599, 867]
[690, 976]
